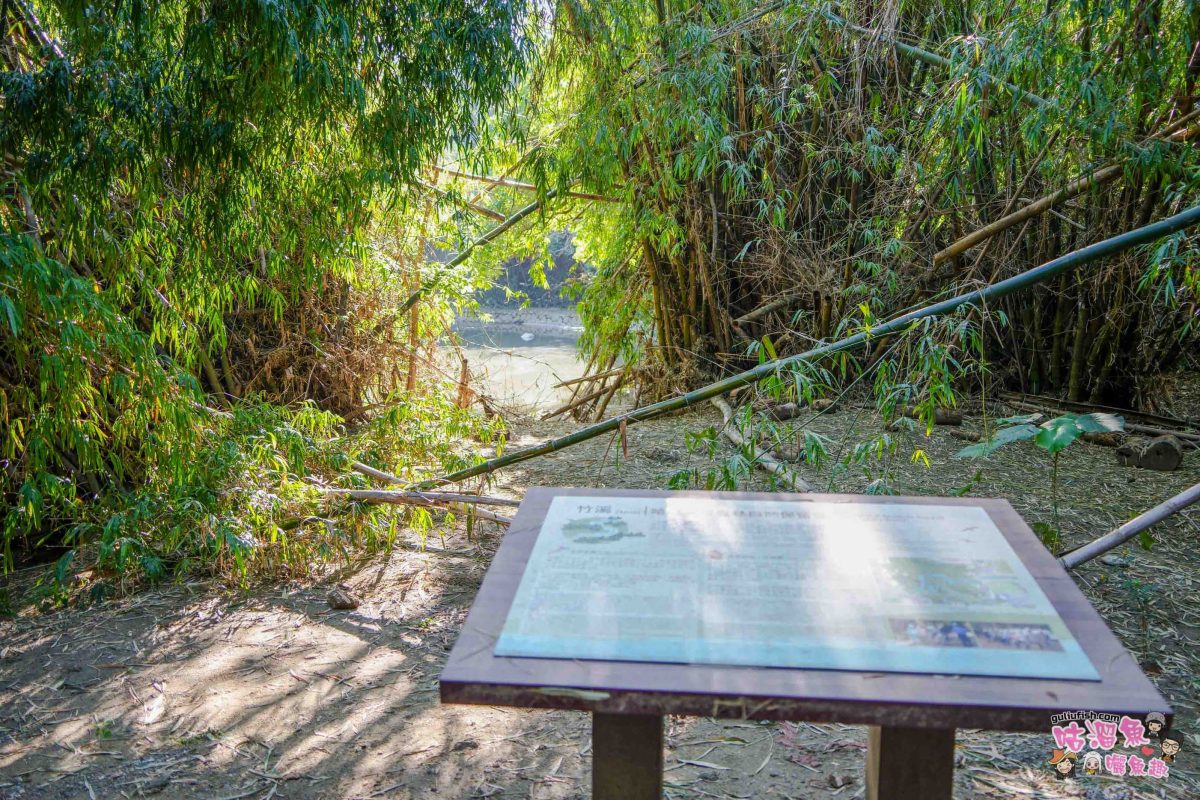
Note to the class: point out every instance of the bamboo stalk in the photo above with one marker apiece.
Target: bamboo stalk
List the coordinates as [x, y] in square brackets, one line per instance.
[1032, 277]
[407, 498]
[483, 513]
[487, 238]
[587, 378]
[1130, 529]
[938, 61]
[478, 209]
[524, 187]
[763, 310]
[764, 459]
[1076, 187]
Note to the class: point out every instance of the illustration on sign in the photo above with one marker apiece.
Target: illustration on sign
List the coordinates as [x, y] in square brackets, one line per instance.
[823, 585]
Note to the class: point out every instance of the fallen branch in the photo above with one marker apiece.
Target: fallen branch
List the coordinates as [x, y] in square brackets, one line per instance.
[1065, 263]
[762, 311]
[1192, 439]
[763, 458]
[588, 378]
[413, 498]
[1130, 529]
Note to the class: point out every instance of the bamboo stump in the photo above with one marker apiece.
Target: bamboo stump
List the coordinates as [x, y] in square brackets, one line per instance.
[1162, 453]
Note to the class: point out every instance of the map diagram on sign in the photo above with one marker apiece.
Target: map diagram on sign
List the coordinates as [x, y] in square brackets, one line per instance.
[888, 587]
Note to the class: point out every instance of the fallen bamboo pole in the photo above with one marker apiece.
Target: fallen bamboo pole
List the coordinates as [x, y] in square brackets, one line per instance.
[763, 310]
[1130, 529]
[1186, 437]
[415, 498]
[764, 459]
[483, 513]
[1082, 407]
[1070, 261]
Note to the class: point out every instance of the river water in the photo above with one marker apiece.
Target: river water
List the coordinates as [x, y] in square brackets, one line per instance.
[517, 357]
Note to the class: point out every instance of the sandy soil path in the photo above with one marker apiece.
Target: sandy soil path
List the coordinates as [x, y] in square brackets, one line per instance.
[180, 693]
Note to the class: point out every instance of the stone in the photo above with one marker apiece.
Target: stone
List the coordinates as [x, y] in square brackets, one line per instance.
[340, 598]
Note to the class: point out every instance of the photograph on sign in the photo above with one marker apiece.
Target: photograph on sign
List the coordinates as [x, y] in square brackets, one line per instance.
[888, 587]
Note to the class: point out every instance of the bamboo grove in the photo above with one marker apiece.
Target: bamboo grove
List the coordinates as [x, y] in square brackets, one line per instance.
[795, 170]
[231, 233]
[205, 215]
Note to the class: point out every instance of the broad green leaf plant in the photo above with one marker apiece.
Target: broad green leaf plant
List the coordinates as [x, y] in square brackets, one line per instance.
[1053, 436]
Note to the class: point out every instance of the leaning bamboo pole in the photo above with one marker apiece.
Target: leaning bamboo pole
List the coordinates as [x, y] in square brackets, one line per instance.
[1131, 529]
[1060, 265]
[487, 238]
[508, 183]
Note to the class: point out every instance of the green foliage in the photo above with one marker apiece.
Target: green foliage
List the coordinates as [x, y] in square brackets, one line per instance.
[206, 219]
[762, 154]
[1053, 436]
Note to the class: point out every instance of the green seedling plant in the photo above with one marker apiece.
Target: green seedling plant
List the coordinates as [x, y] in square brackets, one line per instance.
[1053, 436]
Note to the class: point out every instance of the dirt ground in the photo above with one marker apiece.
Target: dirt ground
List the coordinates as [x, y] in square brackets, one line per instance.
[193, 692]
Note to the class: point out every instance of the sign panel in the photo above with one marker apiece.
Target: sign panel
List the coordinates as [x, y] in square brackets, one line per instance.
[818, 585]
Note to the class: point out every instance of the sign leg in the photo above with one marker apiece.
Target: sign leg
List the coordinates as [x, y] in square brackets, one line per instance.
[910, 764]
[627, 756]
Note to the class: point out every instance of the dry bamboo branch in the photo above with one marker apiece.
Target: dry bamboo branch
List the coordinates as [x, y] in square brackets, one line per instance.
[478, 209]
[1130, 529]
[588, 378]
[763, 458]
[763, 310]
[574, 404]
[483, 513]
[1073, 189]
[487, 238]
[1077, 187]
[403, 498]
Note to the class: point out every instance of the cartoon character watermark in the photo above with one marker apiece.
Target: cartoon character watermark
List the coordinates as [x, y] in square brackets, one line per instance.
[1090, 743]
[1155, 722]
[1063, 762]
